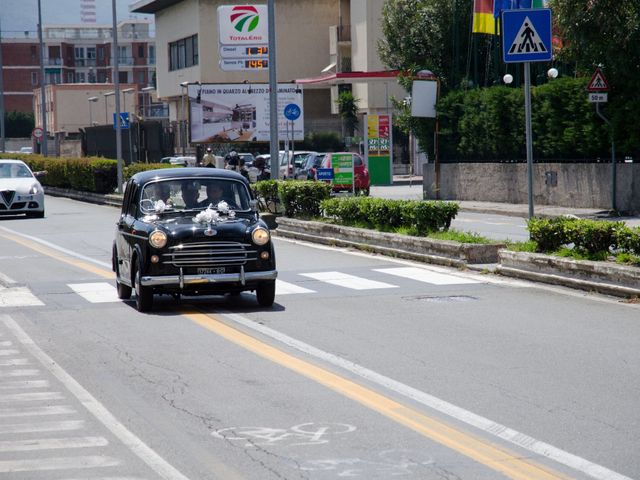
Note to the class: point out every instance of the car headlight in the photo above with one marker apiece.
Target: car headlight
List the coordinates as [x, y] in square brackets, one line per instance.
[260, 236]
[158, 239]
[35, 188]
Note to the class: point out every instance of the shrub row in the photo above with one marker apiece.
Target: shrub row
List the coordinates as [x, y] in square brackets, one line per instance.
[420, 217]
[87, 174]
[299, 199]
[586, 236]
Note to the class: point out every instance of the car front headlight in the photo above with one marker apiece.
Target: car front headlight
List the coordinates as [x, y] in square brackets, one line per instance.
[260, 236]
[158, 239]
[35, 189]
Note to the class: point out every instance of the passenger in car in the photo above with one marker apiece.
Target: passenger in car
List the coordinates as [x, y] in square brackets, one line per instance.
[215, 194]
[190, 195]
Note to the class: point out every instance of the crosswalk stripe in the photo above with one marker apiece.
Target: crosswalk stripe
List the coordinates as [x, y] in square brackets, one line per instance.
[348, 281]
[286, 288]
[30, 397]
[20, 373]
[36, 411]
[426, 276]
[103, 478]
[18, 297]
[42, 427]
[101, 292]
[6, 343]
[6, 353]
[24, 384]
[13, 362]
[57, 463]
[51, 444]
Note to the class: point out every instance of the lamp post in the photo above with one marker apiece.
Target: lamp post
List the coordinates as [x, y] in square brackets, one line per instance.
[124, 104]
[106, 109]
[183, 85]
[43, 103]
[91, 100]
[116, 85]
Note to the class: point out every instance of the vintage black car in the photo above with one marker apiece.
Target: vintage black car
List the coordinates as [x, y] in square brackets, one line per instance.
[191, 231]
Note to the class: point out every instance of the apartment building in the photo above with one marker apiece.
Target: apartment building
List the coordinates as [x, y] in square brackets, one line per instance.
[322, 45]
[76, 54]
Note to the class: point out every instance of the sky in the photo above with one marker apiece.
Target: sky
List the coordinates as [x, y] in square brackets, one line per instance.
[22, 15]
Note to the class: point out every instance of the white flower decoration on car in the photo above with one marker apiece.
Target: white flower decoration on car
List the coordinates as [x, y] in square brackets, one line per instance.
[159, 206]
[223, 207]
[207, 216]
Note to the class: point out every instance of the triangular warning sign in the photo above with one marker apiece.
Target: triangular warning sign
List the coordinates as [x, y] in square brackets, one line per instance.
[598, 83]
[527, 40]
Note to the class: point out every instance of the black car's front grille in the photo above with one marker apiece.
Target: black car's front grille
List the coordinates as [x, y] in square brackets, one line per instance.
[209, 254]
[7, 196]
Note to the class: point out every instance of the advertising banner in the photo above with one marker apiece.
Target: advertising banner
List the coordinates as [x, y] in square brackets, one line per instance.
[240, 112]
[342, 169]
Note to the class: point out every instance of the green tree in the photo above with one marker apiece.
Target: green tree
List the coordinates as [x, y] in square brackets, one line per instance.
[18, 124]
[607, 33]
[348, 111]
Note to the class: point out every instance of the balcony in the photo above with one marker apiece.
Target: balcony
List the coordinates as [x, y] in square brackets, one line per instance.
[344, 33]
[53, 61]
[125, 61]
[85, 62]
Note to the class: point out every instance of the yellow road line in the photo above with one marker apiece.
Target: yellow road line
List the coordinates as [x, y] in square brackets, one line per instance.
[50, 252]
[497, 458]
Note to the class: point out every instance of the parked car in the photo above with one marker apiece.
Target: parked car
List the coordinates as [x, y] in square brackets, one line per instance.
[361, 173]
[291, 163]
[26, 150]
[307, 171]
[179, 234]
[180, 161]
[20, 190]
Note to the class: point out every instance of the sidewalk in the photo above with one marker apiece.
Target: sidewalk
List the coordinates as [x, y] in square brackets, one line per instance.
[507, 209]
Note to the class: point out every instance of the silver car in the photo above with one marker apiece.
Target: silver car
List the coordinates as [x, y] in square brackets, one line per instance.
[20, 190]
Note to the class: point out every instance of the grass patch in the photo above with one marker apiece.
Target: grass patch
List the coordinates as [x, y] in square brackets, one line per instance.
[628, 259]
[459, 236]
[578, 255]
[530, 246]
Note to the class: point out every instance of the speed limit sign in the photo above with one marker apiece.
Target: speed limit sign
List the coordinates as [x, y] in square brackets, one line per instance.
[37, 132]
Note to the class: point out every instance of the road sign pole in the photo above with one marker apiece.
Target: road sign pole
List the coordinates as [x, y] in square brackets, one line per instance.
[614, 172]
[527, 115]
[274, 146]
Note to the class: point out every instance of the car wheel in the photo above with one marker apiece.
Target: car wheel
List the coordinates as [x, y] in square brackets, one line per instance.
[266, 293]
[124, 291]
[144, 295]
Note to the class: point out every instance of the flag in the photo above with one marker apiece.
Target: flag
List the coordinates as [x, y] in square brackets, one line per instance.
[483, 20]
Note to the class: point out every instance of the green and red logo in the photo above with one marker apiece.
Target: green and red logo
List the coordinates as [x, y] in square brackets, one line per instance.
[245, 18]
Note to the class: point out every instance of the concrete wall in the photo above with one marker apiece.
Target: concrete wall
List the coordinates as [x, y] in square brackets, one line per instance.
[580, 185]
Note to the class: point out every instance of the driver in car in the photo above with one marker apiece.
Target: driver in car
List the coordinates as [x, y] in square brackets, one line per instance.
[190, 194]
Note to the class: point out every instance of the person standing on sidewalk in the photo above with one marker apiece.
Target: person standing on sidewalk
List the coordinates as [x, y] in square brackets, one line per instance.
[209, 159]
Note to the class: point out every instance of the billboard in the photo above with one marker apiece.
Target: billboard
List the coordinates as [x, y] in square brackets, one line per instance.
[240, 112]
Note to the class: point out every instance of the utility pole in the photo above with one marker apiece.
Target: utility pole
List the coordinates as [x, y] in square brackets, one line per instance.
[43, 100]
[2, 137]
[116, 81]
[274, 145]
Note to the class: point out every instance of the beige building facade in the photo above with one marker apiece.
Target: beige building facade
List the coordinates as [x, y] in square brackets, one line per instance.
[316, 39]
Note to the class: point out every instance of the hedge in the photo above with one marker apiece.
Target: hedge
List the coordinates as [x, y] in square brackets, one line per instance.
[586, 236]
[420, 217]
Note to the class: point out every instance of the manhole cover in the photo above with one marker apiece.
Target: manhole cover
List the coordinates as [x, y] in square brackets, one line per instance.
[442, 299]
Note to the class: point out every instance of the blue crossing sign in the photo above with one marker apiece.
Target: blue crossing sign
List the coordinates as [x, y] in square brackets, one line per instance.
[124, 121]
[526, 35]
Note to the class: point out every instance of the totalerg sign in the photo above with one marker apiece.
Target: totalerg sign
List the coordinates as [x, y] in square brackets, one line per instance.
[243, 24]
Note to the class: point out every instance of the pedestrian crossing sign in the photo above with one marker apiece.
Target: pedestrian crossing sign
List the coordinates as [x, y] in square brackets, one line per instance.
[526, 35]
[598, 83]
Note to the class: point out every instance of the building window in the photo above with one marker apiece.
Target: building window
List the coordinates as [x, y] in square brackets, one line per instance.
[140, 51]
[141, 78]
[34, 78]
[100, 53]
[91, 52]
[123, 77]
[183, 53]
[152, 54]
[80, 77]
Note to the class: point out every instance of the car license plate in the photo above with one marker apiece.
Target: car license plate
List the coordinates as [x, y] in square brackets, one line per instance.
[210, 271]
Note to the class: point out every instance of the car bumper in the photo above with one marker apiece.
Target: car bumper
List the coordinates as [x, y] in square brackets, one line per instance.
[241, 278]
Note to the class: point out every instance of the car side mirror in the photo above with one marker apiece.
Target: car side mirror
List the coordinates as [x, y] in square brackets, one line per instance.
[40, 174]
[253, 204]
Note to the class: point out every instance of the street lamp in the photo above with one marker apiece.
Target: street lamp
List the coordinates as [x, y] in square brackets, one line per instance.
[552, 73]
[91, 100]
[183, 85]
[508, 78]
[106, 118]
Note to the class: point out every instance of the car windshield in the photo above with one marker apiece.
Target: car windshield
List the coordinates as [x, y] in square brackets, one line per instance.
[182, 194]
[14, 170]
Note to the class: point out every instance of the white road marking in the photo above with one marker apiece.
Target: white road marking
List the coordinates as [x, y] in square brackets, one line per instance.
[57, 463]
[486, 425]
[6, 353]
[42, 427]
[101, 292]
[286, 288]
[6, 343]
[31, 397]
[58, 248]
[348, 281]
[426, 276]
[36, 411]
[18, 297]
[24, 384]
[6, 280]
[130, 440]
[13, 362]
[51, 444]
[20, 373]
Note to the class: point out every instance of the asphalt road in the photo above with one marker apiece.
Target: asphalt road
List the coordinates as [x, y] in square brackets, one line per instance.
[366, 367]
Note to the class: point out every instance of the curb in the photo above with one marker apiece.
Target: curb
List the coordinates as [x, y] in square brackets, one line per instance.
[113, 200]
